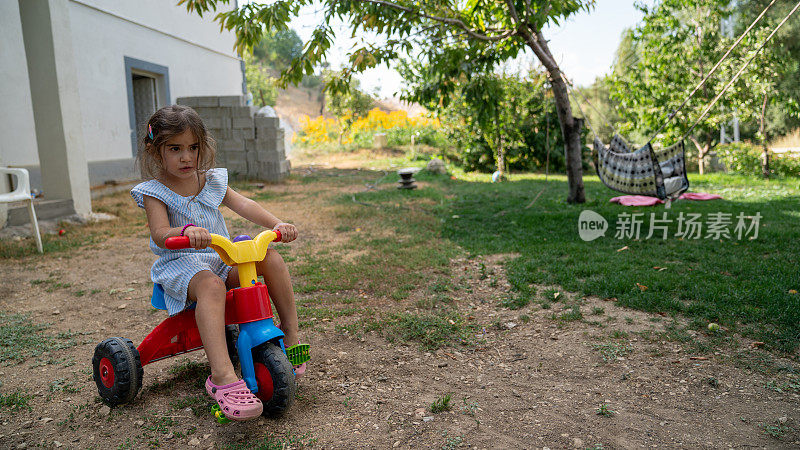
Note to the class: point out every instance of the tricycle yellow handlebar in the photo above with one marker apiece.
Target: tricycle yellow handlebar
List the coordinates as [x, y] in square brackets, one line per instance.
[243, 253]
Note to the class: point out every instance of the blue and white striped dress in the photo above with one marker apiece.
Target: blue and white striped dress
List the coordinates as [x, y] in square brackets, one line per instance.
[175, 268]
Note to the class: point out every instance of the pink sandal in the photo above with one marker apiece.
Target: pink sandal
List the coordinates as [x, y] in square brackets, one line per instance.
[235, 400]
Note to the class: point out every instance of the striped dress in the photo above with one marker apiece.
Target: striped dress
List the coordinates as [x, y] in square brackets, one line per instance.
[175, 268]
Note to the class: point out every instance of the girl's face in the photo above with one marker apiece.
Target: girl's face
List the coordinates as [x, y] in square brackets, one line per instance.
[180, 155]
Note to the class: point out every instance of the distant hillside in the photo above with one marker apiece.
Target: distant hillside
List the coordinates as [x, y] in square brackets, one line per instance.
[295, 102]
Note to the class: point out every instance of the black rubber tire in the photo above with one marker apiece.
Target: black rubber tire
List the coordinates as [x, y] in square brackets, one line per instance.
[127, 370]
[283, 380]
[231, 336]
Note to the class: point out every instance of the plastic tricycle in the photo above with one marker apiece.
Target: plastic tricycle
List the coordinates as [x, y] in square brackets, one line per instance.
[257, 343]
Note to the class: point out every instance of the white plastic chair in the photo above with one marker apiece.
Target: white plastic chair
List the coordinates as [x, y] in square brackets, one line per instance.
[22, 193]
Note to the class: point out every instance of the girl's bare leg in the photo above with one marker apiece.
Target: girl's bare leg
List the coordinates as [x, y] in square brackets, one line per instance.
[208, 290]
[276, 275]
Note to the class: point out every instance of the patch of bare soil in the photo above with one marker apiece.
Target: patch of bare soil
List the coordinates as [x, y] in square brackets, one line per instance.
[530, 379]
[305, 161]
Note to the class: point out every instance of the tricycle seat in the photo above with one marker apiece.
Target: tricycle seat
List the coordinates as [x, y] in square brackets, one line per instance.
[158, 297]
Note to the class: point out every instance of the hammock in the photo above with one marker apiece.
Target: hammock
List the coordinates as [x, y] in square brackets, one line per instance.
[660, 173]
[646, 171]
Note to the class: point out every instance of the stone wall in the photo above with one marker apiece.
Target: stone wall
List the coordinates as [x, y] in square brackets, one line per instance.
[250, 143]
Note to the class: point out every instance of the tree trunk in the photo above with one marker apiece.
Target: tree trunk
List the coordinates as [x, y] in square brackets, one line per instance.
[501, 156]
[763, 133]
[701, 164]
[570, 126]
[702, 151]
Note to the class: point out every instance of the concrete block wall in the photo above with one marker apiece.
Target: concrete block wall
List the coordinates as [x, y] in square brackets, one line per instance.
[250, 143]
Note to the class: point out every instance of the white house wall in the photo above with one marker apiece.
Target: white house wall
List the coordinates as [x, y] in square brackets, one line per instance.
[18, 143]
[199, 60]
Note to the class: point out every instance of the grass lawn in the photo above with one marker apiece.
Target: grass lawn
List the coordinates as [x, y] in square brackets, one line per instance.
[746, 285]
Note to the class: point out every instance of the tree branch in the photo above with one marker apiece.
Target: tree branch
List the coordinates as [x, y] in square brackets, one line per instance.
[541, 52]
[450, 21]
[513, 10]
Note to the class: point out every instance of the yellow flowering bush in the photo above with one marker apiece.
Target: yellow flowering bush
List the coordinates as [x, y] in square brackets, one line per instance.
[398, 126]
[317, 131]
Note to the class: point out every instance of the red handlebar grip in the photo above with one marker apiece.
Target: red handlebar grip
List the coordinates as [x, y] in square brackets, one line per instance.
[177, 242]
[278, 238]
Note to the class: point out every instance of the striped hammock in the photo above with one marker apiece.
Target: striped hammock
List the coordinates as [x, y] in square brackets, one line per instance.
[646, 171]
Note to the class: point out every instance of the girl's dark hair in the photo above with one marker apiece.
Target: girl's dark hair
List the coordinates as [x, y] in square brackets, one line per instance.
[166, 123]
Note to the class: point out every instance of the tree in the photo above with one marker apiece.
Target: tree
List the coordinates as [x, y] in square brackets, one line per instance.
[781, 116]
[277, 50]
[497, 121]
[780, 111]
[259, 82]
[348, 106]
[494, 31]
[674, 48]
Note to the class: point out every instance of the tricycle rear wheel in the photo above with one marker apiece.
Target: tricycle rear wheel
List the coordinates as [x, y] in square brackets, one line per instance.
[275, 377]
[231, 336]
[117, 370]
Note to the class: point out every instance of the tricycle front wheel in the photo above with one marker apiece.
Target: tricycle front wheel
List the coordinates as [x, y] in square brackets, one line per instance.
[117, 370]
[275, 377]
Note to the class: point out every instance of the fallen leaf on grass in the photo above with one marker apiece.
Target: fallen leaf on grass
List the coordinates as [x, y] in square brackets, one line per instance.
[641, 287]
[623, 248]
[698, 358]
[793, 291]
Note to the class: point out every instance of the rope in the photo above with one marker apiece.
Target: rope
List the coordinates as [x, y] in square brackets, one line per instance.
[736, 77]
[572, 88]
[569, 90]
[703, 82]
[547, 144]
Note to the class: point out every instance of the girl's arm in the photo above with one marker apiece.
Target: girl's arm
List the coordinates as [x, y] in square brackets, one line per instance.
[253, 212]
[158, 221]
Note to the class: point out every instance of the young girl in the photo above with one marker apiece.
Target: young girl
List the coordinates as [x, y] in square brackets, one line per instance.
[182, 198]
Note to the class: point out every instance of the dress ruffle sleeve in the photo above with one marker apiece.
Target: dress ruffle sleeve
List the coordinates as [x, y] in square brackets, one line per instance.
[153, 189]
[215, 188]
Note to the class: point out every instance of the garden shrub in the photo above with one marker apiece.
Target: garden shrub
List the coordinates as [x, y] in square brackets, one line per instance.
[745, 159]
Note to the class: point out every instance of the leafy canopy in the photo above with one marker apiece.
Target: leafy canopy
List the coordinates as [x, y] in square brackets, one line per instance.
[493, 119]
[495, 30]
[278, 49]
[783, 114]
[259, 82]
[670, 52]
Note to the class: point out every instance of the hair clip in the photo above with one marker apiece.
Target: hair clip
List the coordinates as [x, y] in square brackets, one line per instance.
[150, 132]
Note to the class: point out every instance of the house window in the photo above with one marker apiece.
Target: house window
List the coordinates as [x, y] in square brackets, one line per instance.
[145, 102]
[148, 90]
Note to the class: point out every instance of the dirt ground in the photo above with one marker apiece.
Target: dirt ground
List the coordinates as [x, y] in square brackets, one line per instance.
[533, 382]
